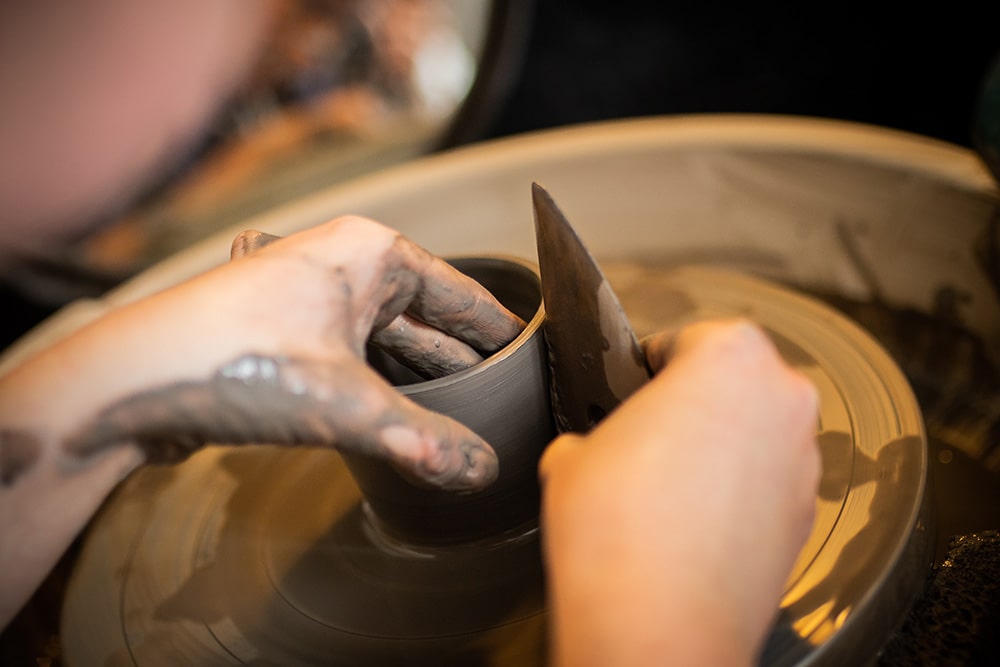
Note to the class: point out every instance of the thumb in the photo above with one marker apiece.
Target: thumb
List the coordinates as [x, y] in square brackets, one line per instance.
[557, 451]
[288, 401]
[430, 447]
[659, 348]
[348, 405]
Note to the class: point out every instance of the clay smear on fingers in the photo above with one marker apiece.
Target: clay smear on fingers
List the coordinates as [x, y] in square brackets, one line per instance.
[261, 399]
[428, 351]
[250, 241]
[19, 453]
[455, 303]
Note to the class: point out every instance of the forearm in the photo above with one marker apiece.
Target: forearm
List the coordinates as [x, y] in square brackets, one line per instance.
[48, 490]
[41, 513]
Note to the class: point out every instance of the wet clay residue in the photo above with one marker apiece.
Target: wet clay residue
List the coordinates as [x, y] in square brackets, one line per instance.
[259, 399]
[19, 451]
[950, 369]
[250, 241]
[424, 349]
[444, 298]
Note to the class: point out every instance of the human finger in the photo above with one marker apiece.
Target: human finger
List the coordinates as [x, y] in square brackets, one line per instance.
[428, 351]
[448, 300]
[261, 399]
[734, 333]
[390, 274]
[659, 348]
[249, 241]
[559, 450]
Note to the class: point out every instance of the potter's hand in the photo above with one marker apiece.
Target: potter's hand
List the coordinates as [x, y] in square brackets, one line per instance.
[268, 348]
[671, 527]
[287, 322]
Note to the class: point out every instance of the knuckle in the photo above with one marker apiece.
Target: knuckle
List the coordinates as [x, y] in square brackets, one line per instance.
[437, 462]
[803, 397]
[807, 391]
[556, 452]
[747, 336]
[244, 243]
[739, 336]
[659, 348]
[355, 221]
[365, 229]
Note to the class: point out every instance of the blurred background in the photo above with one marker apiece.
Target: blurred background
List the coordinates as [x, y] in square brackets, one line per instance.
[346, 87]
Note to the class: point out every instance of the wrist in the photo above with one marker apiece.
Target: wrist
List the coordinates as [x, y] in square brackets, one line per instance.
[621, 593]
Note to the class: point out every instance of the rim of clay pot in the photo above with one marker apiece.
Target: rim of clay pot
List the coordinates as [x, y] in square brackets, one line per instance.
[503, 353]
[517, 427]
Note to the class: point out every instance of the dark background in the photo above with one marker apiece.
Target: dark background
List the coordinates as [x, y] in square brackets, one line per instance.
[895, 65]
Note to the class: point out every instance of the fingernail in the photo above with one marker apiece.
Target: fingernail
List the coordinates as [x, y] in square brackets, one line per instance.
[481, 468]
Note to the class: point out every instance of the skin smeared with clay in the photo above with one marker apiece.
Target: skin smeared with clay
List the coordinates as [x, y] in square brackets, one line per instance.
[423, 348]
[422, 311]
[417, 345]
[268, 348]
[259, 399]
[249, 241]
[418, 308]
[18, 453]
[433, 319]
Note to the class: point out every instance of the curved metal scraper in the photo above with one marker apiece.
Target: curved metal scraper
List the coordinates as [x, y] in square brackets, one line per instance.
[594, 356]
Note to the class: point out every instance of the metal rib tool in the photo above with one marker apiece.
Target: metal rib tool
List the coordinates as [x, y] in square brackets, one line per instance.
[594, 356]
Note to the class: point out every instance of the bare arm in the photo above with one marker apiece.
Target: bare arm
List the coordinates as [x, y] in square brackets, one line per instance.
[269, 348]
[655, 523]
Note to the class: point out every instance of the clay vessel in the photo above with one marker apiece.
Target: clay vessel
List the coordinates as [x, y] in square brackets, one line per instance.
[504, 399]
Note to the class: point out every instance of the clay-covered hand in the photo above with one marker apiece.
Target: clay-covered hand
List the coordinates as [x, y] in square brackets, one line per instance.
[280, 355]
[268, 348]
[670, 529]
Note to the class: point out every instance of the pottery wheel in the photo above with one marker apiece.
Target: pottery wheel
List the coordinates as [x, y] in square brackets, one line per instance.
[260, 555]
